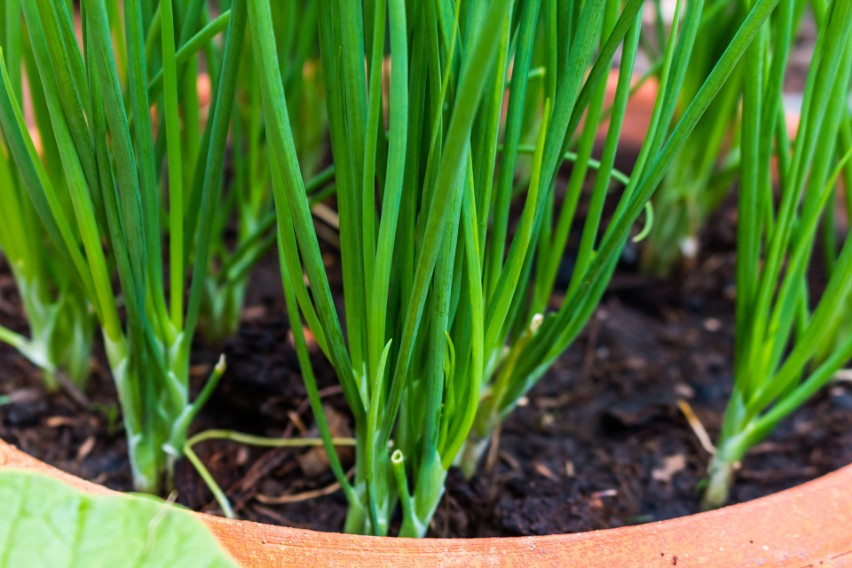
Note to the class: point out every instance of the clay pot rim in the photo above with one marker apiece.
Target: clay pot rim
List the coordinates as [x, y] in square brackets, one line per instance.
[808, 524]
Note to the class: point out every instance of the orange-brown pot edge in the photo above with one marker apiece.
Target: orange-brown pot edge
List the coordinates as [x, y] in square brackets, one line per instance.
[809, 525]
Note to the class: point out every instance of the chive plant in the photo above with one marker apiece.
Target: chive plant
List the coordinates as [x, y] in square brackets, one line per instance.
[831, 225]
[448, 305]
[114, 187]
[706, 164]
[244, 221]
[843, 330]
[60, 325]
[782, 323]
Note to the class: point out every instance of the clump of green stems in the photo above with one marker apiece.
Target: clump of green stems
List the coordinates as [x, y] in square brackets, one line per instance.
[118, 182]
[60, 325]
[706, 164]
[831, 231]
[781, 324]
[244, 221]
[449, 314]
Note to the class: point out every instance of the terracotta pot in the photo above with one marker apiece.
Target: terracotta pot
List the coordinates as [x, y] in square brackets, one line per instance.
[810, 525]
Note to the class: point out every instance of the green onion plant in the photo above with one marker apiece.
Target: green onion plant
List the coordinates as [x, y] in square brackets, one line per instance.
[448, 314]
[706, 164]
[832, 229]
[782, 323]
[451, 125]
[107, 210]
[244, 221]
[61, 327]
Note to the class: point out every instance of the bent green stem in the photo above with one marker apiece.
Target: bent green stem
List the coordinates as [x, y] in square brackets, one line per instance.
[250, 440]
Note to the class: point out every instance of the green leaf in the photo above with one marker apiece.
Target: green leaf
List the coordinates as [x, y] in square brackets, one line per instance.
[48, 523]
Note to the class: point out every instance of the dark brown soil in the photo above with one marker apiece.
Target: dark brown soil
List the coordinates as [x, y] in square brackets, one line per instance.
[599, 443]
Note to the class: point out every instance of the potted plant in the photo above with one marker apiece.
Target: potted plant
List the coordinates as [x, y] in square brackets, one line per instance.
[455, 299]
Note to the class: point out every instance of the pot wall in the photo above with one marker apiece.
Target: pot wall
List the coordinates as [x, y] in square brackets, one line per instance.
[809, 525]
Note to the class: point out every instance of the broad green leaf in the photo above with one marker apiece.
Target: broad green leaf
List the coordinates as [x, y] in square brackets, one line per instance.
[48, 523]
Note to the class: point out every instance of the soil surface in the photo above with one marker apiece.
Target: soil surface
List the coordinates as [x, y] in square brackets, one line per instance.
[600, 442]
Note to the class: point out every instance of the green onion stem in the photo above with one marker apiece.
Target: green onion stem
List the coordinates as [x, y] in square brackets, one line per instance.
[247, 439]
